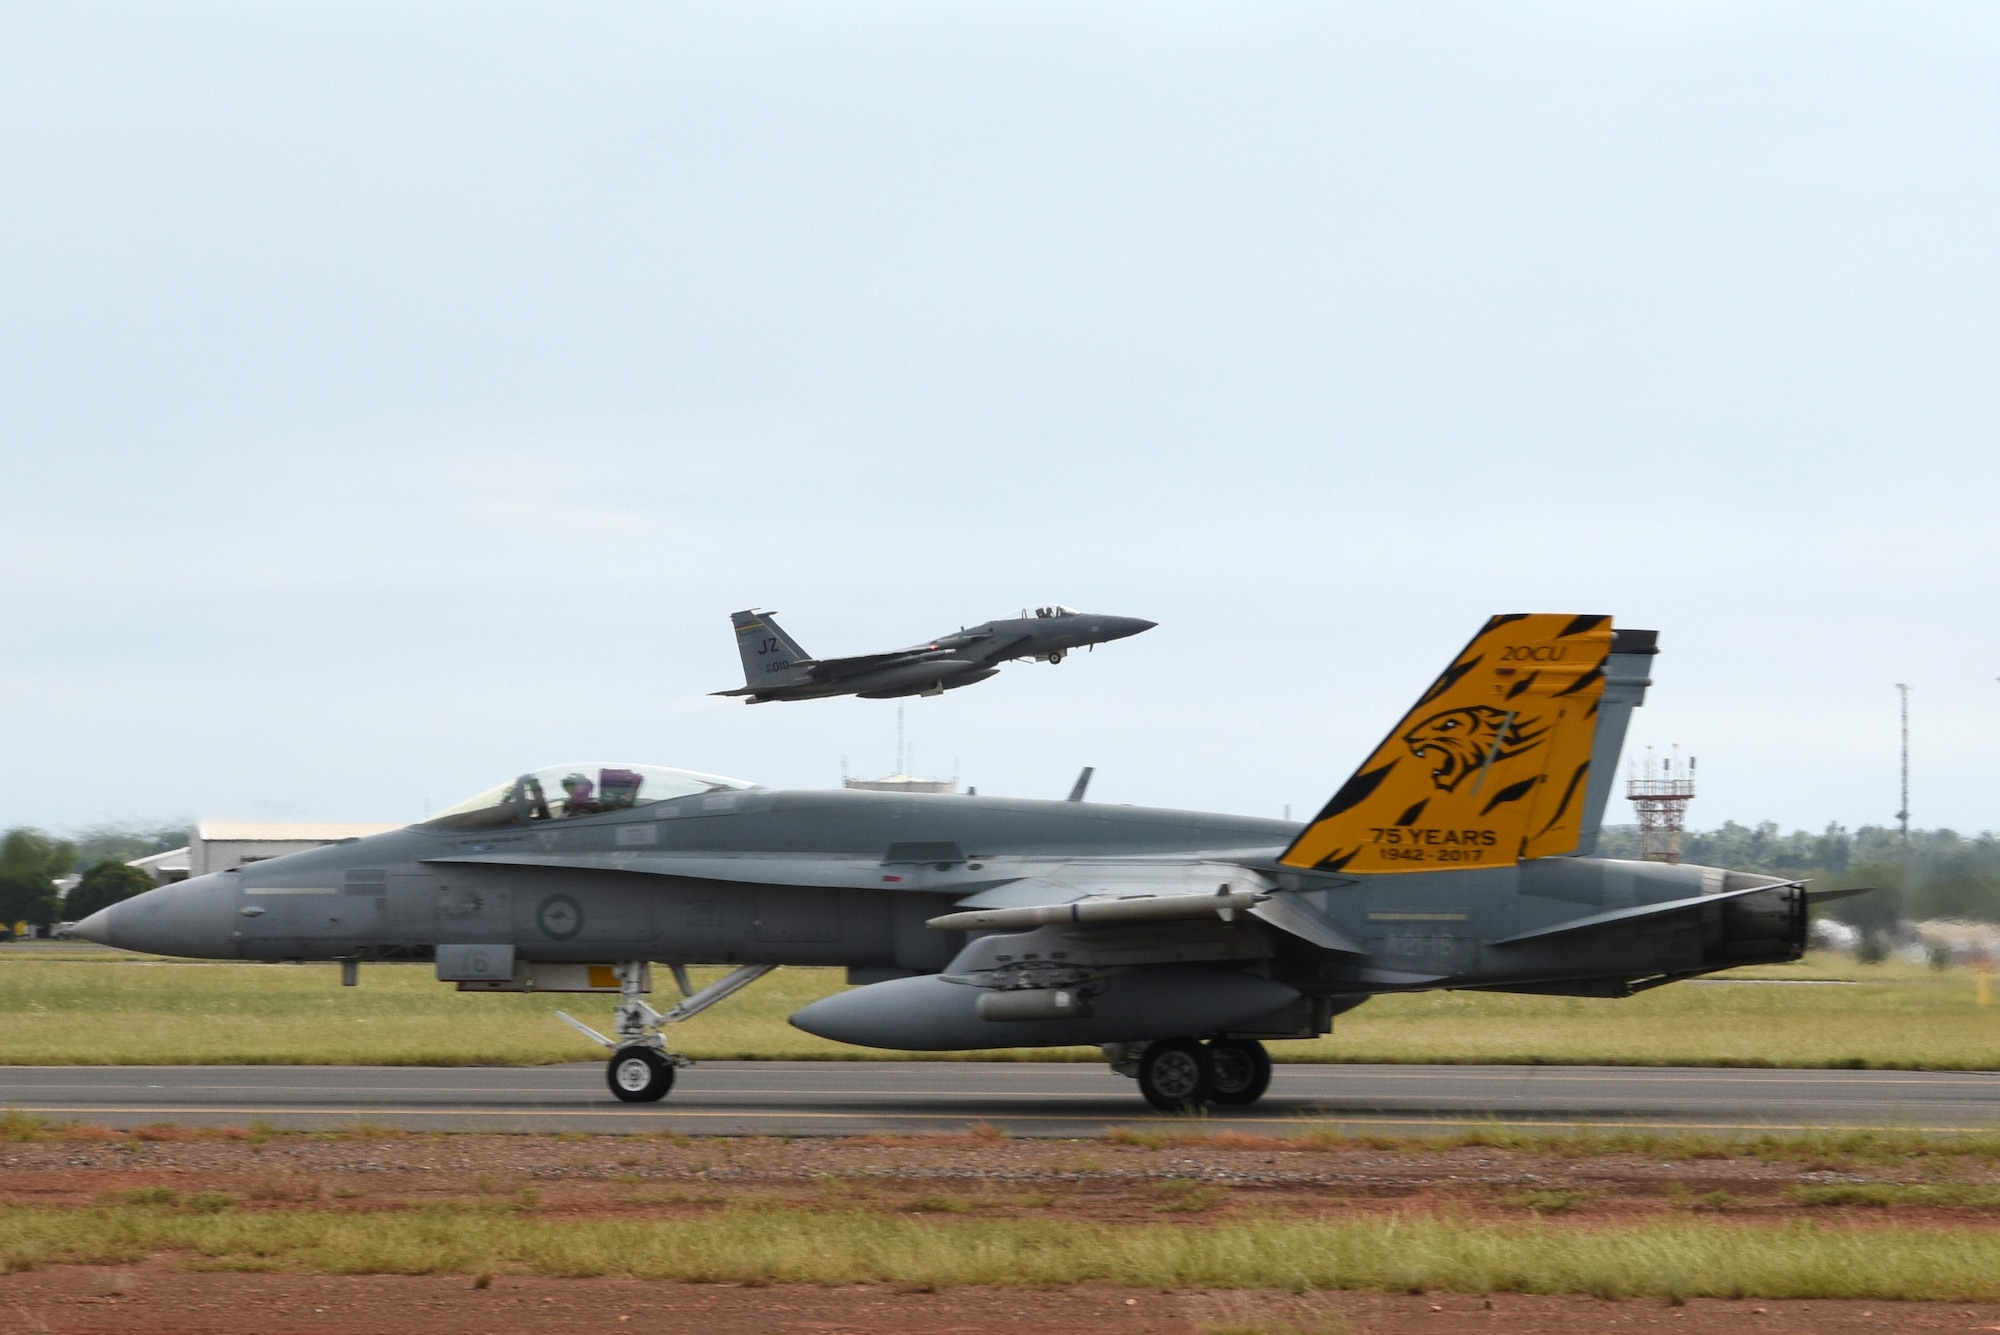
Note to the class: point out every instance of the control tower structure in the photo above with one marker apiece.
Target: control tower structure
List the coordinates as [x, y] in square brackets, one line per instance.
[1661, 789]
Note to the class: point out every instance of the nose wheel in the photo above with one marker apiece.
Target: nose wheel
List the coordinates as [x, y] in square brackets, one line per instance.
[641, 1069]
[639, 1075]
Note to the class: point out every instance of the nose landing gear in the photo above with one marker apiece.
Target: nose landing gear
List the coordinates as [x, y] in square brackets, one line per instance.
[641, 1069]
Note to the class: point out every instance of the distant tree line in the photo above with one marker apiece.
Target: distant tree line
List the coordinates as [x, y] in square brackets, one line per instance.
[32, 862]
[1940, 874]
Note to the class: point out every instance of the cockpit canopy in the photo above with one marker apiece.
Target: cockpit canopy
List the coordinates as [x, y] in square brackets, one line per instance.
[1056, 610]
[562, 792]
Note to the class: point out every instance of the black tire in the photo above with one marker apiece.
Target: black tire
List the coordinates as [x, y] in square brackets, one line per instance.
[639, 1075]
[1056, 656]
[1242, 1070]
[1175, 1074]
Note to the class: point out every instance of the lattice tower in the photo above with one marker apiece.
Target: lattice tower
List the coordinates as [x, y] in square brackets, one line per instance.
[1661, 789]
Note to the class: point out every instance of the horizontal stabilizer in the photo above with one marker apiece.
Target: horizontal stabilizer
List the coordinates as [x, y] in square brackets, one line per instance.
[1837, 892]
[1638, 912]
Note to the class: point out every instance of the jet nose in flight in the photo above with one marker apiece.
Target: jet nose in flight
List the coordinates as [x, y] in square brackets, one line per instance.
[1117, 628]
[193, 918]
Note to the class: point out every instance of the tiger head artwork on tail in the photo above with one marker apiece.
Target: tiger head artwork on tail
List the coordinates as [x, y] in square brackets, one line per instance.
[1490, 767]
[1464, 741]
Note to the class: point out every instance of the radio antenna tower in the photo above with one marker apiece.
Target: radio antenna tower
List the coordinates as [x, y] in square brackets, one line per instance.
[1661, 790]
[1903, 816]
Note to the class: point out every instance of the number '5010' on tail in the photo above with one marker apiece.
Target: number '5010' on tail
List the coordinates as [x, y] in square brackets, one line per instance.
[1509, 755]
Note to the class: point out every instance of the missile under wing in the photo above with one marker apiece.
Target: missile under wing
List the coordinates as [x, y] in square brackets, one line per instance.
[1459, 855]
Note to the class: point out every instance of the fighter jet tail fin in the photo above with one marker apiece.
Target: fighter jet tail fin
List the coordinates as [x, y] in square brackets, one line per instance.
[1627, 674]
[1508, 756]
[770, 657]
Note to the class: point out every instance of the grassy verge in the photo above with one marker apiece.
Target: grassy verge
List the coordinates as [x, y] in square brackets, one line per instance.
[1677, 1259]
[138, 1011]
[1841, 1147]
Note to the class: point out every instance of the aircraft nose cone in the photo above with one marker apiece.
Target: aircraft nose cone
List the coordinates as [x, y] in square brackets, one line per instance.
[191, 918]
[1119, 627]
[97, 927]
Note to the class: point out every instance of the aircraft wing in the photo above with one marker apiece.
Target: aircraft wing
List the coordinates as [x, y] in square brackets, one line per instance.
[1009, 898]
[963, 645]
[761, 869]
[836, 669]
[1005, 882]
[825, 671]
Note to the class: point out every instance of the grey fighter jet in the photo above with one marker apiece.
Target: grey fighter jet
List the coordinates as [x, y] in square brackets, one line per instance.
[1457, 856]
[776, 668]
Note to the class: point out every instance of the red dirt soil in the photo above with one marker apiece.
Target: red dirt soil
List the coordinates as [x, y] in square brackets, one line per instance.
[637, 1177]
[155, 1300]
[645, 1177]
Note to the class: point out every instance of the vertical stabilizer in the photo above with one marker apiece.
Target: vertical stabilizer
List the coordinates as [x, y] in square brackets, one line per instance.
[770, 657]
[1492, 766]
[1627, 674]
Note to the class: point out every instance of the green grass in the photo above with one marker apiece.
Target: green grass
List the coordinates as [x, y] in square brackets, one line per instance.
[1897, 1016]
[1547, 1201]
[1885, 1195]
[1685, 1257]
[1843, 1147]
[123, 1009]
[133, 1011]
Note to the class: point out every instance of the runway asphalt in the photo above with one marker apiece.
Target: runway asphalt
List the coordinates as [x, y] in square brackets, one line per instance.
[1027, 1099]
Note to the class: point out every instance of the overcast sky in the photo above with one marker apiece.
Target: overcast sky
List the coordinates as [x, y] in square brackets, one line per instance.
[397, 396]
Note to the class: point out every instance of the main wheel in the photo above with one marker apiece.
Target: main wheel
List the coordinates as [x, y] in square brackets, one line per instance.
[639, 1075]
[1176, 1074]
[1242, 1070]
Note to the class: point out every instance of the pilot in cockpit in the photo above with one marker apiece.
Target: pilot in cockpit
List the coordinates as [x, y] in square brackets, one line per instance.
[581, 796]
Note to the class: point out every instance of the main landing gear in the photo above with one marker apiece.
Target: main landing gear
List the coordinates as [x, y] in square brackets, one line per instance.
[1242, 1071]
[641, 1069]
[1178, 1074]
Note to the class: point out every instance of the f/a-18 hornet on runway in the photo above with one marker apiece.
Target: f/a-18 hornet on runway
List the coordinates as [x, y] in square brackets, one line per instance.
[775, 668]
[1458, 856]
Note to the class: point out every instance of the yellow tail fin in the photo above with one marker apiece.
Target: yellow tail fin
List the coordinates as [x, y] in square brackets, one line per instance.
[1490, 767]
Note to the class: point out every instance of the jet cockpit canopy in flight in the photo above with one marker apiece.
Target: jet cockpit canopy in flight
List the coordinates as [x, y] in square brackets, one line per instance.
[562, 792]
[1056, 610]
